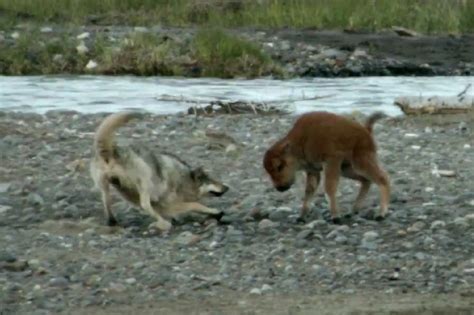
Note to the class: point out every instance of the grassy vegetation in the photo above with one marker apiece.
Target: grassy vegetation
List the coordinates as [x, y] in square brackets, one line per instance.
[224, 55]
[212, 52]
[429, 16]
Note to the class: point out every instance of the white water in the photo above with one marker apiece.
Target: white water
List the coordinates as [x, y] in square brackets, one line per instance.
[90, 94]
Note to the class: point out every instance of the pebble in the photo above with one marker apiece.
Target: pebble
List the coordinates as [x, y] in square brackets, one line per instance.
[256, 291]
[185, 238]
[7, 256]
[91, 65]
[416, 227]
[267, 224]
[305, 234]
[370, 236]
[83, 35]
[35, 199]
[82, 48]
[130, 281]
[4, 187]
[46, 29]
[437, 224]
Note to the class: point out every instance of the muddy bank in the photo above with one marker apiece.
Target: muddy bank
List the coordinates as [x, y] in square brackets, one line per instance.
[288, 53]
[57, 256]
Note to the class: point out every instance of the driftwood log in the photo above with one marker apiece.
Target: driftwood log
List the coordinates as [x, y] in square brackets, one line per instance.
[416, 105]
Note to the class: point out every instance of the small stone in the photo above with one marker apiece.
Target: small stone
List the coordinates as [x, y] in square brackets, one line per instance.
[267, 224]
[266, 288]
[117, 287]
[130, 281]
[82, 48]
[58, 58]
[256, 291]
[461, 222]
[446, 173]
[15, 35]
[34, 263]
[437, 224]
[140, 29]
[416, 227]
[370, 236]
[139, 265]
[411, 135]
[7, 256]
[59, 282]
[305, 235]
[341, 239]
[415, 147]
[91, 65]
[401, 31]
[467, 146]
[184, 238]
[4, 187]
[83, 35]
[4, 208]
[35, 199]
[46, 29]
[315, 223]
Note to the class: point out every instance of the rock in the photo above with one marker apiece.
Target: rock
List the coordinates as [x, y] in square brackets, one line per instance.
[437, 224]
[59, 282]
[316, 223]
[91, 65]
[83, 35]
[370, 236]
[82, 49]
[401, 31]
[305, 235]
[35, 199]
[185, 238]
[267, 224]
[256, 291]
[58, 58]
[4, 208]
[130, 281]
[6, 256]
[4, 187]
[341, 239]
[140, 29]
[15, 35]
[266, 288]
[16, 266]
[46, 29]
[416, 227]
[117, 287]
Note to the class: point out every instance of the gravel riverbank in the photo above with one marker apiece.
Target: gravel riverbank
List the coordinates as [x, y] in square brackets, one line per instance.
[57, 256]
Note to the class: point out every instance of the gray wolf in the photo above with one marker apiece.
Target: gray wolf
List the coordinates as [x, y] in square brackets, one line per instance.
[161, 184]
[322, 141]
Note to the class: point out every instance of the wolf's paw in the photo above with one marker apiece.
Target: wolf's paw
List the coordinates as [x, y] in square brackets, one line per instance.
[217, 214]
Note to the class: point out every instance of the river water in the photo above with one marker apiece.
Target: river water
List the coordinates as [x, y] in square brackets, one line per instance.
[162, 95]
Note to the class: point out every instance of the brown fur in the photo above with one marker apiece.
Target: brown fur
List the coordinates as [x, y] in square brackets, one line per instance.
[323, 141]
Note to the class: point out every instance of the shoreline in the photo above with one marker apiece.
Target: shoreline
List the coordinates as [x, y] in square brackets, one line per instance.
[284, 53]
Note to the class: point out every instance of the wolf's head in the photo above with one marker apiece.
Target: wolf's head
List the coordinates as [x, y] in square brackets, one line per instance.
[207, 185]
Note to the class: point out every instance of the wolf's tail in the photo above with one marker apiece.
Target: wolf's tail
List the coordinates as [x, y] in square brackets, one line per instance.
[372, 119]
[104, 136]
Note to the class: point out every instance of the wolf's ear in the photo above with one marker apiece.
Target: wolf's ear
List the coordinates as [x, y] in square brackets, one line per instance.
[197, 172]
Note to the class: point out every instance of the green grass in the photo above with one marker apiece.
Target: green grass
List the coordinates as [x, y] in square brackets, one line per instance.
[428, 16]
[211, 53]
[223, 55]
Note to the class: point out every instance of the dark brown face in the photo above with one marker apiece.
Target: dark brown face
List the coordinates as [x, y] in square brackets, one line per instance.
[281, 167]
